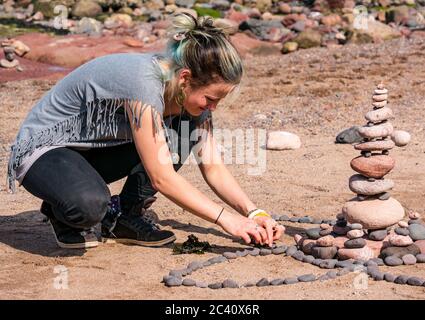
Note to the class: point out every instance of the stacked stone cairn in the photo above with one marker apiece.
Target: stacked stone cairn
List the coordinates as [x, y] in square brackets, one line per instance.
[12, 48]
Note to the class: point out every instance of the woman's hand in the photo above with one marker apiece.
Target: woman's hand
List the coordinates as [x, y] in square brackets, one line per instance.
[273, 230]
[242, 227]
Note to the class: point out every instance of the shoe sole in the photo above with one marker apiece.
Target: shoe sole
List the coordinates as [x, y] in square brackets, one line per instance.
[84, 245]
[140, 243]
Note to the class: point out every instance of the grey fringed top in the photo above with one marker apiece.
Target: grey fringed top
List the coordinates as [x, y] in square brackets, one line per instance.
[86, 108]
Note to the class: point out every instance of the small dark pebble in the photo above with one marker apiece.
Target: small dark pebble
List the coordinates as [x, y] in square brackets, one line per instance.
[415, 281]
[216, 285]
[377, 275]
[402, 279]
[263, 282]
[279, 250]
[230, 255]
[389, 277]
[291, 250]
[420, 258]
[355, 243]
[378, 261]
[292, 280]
[294, 219]
[378, 235]
[265, 252]
[344, 264]
[402, 231]
[173, 282]
[276, 282]
[328, 264]
[299, 255]
[307, 278]
[254, 252]
[189, 282]
[317, 262]
[393, 261]
[308, 259]
[229, 283]
[325, 232]
[284, 218]
[306, 220]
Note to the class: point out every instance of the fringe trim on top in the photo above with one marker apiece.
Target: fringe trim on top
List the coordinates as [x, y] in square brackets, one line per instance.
[97, 121]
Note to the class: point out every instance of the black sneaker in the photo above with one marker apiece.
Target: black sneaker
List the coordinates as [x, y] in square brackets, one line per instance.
[66, 236]
[133, 227]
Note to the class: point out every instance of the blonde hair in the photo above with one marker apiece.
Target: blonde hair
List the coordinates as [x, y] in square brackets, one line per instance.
[205, 49]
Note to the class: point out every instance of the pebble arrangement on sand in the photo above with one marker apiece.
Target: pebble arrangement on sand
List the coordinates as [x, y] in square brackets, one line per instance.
[324, 253]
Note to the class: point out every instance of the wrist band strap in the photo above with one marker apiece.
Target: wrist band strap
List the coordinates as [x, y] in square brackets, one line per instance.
[257, 212]
[219, 215]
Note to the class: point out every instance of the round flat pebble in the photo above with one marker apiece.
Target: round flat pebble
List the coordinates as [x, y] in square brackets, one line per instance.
[402, 279]
[378, 235]
[326, 241]
[294, 219]
[355, 233]
[317, 221]
[420, 258]
[291, 280]
[195, 265]
[307, 278]
[355, 243]
[409, 259]
[189, 282]
[389, 277]
[328, 264]
[173, 282]
[249, 284]
[371, 263]
[276, 282]
[216, 285]
[200, 284]
[341, 223]
[417, 231]
[230, 255]
[317, 262]
[241, 253]
[379, 261]
[299, 255]
[291, 250]
[265, 252]
[325, 232]
[308, 259]
[283, 218]
[415, 281]
[402, 231]
[344, 264]
[332, 274]
[393, 261]
[306, 220]
[229, 283]
[263, 282]
[356, 226]
[313, 233]
[255, 252]
[176, 273]
[279, 250]
[377, 275]
[275, 217]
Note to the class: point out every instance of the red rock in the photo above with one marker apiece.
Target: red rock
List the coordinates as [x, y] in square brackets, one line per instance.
[375, 166]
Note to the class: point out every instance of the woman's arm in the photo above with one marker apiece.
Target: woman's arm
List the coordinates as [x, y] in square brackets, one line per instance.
[155, 156]
[222, 181]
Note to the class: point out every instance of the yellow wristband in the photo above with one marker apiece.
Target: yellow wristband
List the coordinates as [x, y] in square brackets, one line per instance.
[258, 213]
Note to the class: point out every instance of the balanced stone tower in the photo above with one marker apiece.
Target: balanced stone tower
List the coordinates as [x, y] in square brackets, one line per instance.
[373, 207]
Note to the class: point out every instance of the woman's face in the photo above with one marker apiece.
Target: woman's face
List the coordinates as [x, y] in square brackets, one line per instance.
[203, 98]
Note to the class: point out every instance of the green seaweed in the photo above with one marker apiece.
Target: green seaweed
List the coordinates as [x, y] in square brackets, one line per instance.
[207, 12]
[192, 245]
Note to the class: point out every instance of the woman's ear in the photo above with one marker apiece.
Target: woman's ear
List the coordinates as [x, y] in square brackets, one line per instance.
[185, 77]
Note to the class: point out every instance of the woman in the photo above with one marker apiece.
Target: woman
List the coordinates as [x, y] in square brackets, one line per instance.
[112, 118]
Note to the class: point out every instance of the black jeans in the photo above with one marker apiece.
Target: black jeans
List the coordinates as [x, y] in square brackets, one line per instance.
[74, 182]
